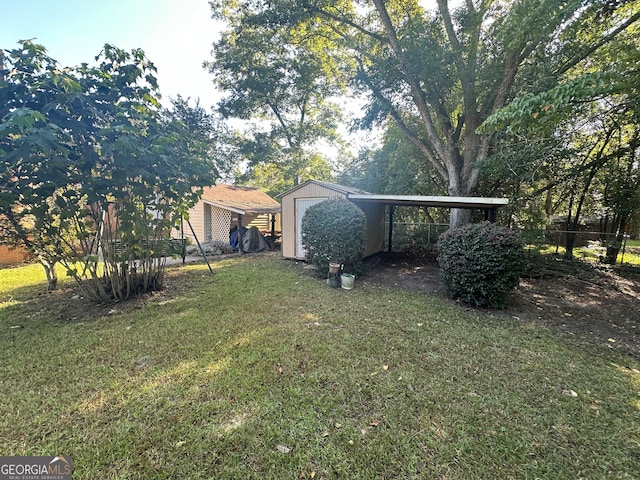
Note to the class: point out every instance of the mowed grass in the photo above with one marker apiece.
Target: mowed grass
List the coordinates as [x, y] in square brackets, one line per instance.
[264, 372]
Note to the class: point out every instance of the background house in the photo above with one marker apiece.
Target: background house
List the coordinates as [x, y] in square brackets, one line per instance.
[218, 210]
[8, 256]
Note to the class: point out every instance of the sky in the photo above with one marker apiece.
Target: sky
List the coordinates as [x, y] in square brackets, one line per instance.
[176, 35]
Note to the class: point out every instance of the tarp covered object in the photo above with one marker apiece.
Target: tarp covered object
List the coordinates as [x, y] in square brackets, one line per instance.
[252, 240]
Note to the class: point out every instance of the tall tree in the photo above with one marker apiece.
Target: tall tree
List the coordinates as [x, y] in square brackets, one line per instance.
[208, 134]
[396, 167]
[279, 80]
[591, 112]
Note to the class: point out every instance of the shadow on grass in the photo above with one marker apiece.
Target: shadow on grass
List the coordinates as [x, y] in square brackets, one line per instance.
[262, 372]
[26, 304]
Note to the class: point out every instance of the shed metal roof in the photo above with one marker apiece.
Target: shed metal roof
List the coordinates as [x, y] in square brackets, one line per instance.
[329, 185]
[242, 200]
[407, 200]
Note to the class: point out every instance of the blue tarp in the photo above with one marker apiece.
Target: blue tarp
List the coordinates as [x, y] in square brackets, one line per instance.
[233, 237]
[252, 240]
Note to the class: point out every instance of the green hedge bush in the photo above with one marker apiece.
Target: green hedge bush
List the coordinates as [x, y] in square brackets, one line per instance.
[481, 263]
[333, 231]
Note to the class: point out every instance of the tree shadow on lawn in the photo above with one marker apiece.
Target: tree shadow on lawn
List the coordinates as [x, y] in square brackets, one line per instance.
[597, 303]
[151, 397]
[593, 302]
[68, 303]
[157, 390]
[33, 303]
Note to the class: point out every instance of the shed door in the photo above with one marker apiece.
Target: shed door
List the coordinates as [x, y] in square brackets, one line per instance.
[301, 206]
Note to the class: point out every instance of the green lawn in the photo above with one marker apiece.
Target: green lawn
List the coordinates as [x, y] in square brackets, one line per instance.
[263, 372]
[631, 256]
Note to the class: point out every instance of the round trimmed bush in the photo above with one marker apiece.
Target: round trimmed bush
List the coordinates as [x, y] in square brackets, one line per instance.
[481, 263]
[333, 231]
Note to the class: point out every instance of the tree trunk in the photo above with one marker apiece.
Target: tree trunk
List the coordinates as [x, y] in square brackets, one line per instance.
[50, 272]
[569, 244]
[614, 247]
[571, 237]
[459, 216]
[604, 224]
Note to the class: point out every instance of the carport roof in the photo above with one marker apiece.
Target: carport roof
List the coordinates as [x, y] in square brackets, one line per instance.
[357, 194]
[431, 201]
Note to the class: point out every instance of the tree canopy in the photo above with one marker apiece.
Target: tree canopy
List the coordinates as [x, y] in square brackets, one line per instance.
[438, 74]
[281, 81]
[585, 128]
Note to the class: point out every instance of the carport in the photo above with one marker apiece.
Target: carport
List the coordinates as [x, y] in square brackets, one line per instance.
[488, 205]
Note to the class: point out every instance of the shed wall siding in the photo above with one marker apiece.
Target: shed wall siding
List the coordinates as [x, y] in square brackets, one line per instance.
[263, 222]
[289, 214]
[196, 218]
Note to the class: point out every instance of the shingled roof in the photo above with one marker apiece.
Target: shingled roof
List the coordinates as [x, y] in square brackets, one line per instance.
[242, 200]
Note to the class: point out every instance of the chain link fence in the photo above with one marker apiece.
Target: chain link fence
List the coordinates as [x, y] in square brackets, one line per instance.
[587, 245]
[415, 235]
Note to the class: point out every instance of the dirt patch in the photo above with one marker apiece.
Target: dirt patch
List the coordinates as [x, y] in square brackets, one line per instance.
[589, 301]
[417, 272]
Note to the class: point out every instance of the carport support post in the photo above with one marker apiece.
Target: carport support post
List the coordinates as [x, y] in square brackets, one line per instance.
[273, 231]
[490, 214]
[240, 234]
[392, 209]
